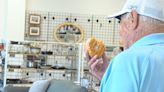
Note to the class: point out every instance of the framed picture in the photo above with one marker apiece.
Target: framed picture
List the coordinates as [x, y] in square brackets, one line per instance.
[35, 19]
[34, 31]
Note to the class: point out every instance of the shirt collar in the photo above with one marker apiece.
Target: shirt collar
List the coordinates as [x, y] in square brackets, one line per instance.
[151, 39]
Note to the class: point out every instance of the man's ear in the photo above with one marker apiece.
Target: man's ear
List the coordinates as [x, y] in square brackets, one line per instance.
[133, 20]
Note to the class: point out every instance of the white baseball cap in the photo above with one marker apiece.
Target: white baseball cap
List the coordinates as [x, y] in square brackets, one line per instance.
[150, 8]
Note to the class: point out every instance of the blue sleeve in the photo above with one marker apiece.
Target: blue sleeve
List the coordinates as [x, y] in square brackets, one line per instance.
[103, 81]
[121, 76]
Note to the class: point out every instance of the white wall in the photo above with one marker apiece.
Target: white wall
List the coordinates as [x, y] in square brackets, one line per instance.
[2, 17]
[15, 11]
[15, 19]
[76, 6]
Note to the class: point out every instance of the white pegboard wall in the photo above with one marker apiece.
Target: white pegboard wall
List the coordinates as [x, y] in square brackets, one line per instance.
[85, 21]
[103, 29]
[54, 20]
[93, 25]
[43, 26]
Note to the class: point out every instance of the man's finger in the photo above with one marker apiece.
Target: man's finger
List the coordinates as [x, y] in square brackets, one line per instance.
[87, 57]
[94, 65]
[92, 60]
[104, 57]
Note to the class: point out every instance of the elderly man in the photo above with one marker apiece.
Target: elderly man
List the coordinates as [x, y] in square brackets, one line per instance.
[140, 67]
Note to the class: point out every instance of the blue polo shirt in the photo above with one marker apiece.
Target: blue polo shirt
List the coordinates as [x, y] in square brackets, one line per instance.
[138, 69]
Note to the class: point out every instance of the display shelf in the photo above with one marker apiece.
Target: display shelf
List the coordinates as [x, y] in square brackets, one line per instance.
[52, 61]
[21, 85]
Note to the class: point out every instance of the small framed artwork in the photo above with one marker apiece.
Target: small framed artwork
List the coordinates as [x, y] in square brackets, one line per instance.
[35, 19]
[34, 31]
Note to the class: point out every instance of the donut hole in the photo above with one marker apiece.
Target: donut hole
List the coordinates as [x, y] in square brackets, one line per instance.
[96, 47]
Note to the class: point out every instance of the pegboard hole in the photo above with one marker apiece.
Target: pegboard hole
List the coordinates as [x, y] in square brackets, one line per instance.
[53, 18]
[41, 74]
[97, 20]
[75, 19]
[44, 17]
[66, 19]
[89, 20]
[64, 75]
[27, 74]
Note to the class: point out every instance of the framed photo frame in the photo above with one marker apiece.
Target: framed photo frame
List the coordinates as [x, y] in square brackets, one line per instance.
[34, 31]
[35, 19]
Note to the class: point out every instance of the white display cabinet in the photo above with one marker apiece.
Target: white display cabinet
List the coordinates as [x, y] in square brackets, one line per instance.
[29, 61]
[49, 60]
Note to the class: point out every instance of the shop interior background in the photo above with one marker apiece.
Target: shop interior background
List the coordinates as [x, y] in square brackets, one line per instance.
[15, 23]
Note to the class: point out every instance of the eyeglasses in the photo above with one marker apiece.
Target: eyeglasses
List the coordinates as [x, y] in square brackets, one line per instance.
[121, 17]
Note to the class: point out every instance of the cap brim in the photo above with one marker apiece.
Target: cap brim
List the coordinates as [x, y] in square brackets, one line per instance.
[117, 15]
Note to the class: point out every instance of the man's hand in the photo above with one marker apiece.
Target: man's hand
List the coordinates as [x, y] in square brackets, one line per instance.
[97, 66]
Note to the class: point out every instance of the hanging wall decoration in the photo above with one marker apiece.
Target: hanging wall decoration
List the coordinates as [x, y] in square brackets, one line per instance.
[68, 32]
[34, 24]
[35, 31]
[34, 19]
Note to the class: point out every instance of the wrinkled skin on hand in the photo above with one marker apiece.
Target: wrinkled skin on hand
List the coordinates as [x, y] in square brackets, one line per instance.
[96, 65]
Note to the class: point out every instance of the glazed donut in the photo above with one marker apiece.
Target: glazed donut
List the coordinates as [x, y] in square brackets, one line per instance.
[95, 47]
